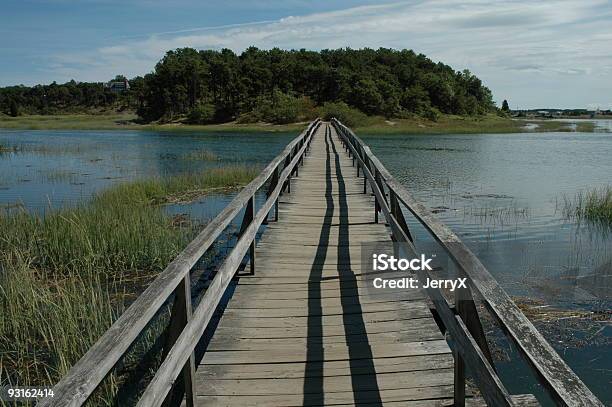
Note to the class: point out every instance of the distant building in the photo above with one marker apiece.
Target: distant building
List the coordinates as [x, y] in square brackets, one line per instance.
[118, 86]
[544, 113]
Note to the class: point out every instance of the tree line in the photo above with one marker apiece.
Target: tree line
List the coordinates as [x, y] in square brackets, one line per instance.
[70, 97]
[273, 85]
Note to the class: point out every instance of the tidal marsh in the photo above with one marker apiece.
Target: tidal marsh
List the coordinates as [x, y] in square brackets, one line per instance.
[67, 275]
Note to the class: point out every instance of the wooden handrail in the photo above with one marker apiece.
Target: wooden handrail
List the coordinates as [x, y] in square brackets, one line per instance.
[88, 373]
[558, 379]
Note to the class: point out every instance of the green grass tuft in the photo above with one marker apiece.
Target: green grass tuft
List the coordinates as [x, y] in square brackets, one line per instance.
[594, 205]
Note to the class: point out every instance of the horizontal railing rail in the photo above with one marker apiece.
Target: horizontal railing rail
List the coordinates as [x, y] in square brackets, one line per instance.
[462, 321]
[185, 327]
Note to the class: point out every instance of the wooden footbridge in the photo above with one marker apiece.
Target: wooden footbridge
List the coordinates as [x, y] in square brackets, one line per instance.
[300, 328]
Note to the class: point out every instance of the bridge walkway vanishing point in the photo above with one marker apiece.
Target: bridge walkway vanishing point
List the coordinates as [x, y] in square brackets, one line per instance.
[302, 330]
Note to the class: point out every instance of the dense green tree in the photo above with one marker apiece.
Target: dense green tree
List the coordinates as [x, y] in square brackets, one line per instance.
[14, 109]
[505, 106]
[271, 85]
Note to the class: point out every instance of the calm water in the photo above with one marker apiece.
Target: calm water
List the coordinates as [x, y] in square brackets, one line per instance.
[56, 168]
[502, 194]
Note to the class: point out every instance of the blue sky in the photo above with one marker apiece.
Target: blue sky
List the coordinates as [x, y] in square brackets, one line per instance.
[553, 53]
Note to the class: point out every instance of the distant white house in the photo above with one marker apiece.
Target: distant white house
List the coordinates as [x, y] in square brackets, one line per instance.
[118, 86]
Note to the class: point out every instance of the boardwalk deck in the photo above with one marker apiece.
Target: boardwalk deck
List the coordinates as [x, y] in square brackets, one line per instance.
[301, 331]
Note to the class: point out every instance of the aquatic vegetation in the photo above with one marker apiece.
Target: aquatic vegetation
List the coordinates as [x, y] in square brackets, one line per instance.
[180, 188]
[6, 149]
[564, 328]
[59, 175]
[200, 155]
[67, 275]
[594, 205]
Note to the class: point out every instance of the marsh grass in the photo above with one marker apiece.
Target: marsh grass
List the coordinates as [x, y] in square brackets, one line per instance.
[59, 175]
[200, 155]
[180, 188]
[65, 277]
[70, 121]
[445, 124]
[6, 149]
[594, 205]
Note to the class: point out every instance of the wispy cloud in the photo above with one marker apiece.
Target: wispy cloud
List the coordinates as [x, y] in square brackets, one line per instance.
[511, 45]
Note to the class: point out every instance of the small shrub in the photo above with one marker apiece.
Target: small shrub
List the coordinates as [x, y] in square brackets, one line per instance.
[13, 108]
[203, 113]
[432, 114]
[280, 108]
[348, 115]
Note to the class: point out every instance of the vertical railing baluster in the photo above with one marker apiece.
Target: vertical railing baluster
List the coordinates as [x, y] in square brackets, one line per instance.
[273, 183]
[459, 369]
[396, 211]
[249, 215]
[179, 317]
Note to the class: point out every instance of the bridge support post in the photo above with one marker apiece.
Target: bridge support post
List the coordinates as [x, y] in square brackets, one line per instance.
[179, 317]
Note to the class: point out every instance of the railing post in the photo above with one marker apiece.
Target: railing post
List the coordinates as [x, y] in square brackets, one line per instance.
[459, 371]
[276, 210]
[273, 183]
[397, 213]
[179, 317]
[365, 178]
[251, 210]
[249, 214]
[376, 210]
[459, 381]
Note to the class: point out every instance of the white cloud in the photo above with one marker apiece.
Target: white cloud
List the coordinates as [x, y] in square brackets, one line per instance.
[560, 46]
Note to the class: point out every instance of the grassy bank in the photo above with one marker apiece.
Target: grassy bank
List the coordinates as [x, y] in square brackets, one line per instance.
[445, 124]
[65, 277]
[594, 205]
[127, 121]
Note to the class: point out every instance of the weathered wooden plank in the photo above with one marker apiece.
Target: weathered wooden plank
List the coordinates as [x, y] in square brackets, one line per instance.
[330, 368]
[263, 300]
[227, 343]
[428, 394]
[348, 319]
[420, 324]
[312, 293]
[400, 307]
[328, 353]
[278, 386]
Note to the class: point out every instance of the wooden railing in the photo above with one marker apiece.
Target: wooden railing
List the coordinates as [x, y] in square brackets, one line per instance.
[186, 326]
[462, 321]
